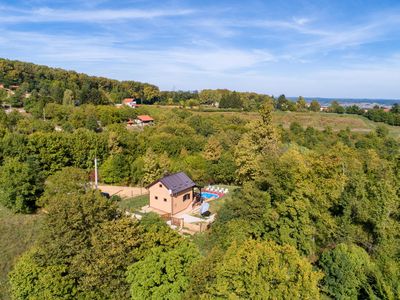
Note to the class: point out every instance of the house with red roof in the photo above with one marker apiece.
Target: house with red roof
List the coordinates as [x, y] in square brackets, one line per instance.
[131, 102]
[144, 120]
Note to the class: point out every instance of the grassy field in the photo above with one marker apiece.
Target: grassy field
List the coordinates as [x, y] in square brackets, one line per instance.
[18, 232]
[314, 119]
[135, 203]
[335, 121]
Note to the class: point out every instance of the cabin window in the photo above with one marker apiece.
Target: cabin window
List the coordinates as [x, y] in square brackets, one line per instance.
[155, 197]
[186, 197]
[165, 199]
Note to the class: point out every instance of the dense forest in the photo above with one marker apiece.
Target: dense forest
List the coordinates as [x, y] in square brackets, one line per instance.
[314, 213]
[44, 85]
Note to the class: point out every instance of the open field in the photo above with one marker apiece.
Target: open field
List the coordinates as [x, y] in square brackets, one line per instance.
[313, 119]
[335, 121]
[18, 232]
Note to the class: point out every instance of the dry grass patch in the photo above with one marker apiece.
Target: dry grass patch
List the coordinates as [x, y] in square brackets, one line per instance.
[18, 232]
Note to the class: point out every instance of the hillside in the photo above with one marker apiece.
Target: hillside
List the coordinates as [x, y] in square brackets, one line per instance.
[62, 86]
[317, 120]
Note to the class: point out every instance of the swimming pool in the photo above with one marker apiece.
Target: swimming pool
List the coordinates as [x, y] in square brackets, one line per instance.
[209, 195]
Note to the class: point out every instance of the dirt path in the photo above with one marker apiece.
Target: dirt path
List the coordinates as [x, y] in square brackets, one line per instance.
[123, 191]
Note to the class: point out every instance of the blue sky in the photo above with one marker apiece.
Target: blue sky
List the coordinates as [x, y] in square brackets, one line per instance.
[325, 48]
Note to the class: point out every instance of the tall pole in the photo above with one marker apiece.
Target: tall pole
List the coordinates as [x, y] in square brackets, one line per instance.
[95, 173]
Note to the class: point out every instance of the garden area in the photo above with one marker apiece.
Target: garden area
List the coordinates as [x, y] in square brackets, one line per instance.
[134, 204]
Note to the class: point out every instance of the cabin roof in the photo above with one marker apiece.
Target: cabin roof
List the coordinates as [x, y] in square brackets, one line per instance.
[145, 118]
[177, 182]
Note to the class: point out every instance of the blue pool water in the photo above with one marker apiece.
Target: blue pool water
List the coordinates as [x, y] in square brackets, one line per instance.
[209, 195]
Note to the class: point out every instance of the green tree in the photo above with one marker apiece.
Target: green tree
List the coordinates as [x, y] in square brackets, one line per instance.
[315, 106]
[231, 100]
[162, 275]
[3, 95]
[155, 166]
[70, 221]
[301, 104]
[51, 150]
[209, 97]
[282, 103]
[192, 102]
[20, 185]
[335, 107]
[112, 250]
[65, 182]
[91, 123]
[347, 272]
[224, 171]
[260, 140]
[83, 251]
[30, 280]
[213, 149]
[16, 99]
[68, 97]
[263, 270]
[116, 169]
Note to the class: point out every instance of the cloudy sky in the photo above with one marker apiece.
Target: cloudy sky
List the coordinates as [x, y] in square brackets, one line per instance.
[347, 48]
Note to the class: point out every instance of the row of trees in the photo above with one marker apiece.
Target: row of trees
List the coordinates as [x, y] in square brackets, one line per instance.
[376, 114]
[222, 98]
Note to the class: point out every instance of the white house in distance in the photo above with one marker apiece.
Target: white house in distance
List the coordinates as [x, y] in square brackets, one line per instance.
[130, 102]
[172, 193]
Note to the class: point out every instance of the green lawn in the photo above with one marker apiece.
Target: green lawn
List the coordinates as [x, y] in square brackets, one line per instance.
[135, 203]
[18, 232]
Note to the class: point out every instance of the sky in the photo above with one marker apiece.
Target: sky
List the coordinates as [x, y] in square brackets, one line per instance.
[325, 48]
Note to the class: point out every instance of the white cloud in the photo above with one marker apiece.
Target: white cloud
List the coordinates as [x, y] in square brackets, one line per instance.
[92, 15]
[301, 21]
[202, 58]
